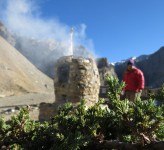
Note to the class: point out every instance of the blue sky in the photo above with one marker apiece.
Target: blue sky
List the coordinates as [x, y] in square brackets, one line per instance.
[116, 29]
[119, 28]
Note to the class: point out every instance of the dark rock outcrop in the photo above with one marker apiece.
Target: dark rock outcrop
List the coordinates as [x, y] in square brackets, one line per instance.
[153, 69]
[7, 35]
[105, 68]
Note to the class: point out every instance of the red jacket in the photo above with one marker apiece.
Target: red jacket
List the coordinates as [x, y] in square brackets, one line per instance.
[134, 80]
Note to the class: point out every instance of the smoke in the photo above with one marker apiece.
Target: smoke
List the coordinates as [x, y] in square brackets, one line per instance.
[24, 18]
[37, 37]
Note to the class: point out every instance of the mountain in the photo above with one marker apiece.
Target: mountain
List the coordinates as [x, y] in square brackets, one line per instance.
[42, 53]
[151, 65]
[18, 75]
[7, 35]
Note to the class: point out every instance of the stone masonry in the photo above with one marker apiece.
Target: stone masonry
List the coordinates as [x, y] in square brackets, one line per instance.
[76, 78]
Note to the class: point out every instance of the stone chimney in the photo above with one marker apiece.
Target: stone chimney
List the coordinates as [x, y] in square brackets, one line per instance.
[76, 79]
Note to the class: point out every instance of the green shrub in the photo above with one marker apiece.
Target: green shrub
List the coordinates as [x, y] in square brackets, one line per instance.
[79, 127]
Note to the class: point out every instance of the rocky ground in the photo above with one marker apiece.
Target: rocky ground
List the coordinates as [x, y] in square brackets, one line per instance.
[21, 83]
[10, 106]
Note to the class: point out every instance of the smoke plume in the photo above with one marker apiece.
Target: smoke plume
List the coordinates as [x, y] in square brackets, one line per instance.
[42, 41]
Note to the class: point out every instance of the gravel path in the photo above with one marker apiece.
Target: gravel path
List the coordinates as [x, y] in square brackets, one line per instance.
[8, 104]
[28, 99]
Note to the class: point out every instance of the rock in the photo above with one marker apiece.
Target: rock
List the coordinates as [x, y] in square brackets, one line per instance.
[104, 69]
[71, 80]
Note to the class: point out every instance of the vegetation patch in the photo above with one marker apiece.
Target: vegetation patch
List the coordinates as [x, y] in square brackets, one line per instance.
[110, 124]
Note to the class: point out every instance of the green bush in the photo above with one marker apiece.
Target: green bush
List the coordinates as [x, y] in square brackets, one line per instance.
[159, 96]
[79, 127]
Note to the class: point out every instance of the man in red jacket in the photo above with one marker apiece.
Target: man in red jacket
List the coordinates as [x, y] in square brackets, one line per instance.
[134, 81]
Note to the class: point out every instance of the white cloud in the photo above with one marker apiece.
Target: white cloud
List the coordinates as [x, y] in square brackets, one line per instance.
[23, 17]
[42, 40]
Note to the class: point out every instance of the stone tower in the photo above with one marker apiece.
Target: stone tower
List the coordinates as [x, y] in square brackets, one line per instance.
[76, 79]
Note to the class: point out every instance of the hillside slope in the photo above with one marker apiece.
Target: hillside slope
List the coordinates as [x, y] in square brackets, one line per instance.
[18, 75]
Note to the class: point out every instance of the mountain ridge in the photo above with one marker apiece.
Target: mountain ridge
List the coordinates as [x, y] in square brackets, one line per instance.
[38, 51]
[151, 65]
[42, 53]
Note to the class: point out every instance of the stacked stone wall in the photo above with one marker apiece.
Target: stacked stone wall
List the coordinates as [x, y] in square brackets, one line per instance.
[76, 79]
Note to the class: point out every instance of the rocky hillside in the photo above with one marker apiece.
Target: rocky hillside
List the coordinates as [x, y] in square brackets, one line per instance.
[7, 35]
[18, 75]
[151, 65]
[43, 53]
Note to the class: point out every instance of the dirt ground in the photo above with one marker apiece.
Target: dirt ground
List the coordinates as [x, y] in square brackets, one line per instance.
[8, 105]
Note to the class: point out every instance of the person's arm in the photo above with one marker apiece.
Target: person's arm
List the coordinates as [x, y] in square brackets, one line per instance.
[124, 80]
[141, 81]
